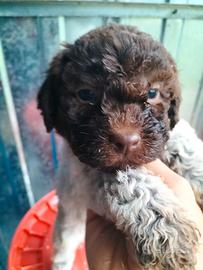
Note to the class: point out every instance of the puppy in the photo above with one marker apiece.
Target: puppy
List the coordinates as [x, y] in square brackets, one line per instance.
[113, 96]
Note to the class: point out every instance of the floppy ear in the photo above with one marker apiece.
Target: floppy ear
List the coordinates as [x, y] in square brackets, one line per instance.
[173, 112]
[49, 92]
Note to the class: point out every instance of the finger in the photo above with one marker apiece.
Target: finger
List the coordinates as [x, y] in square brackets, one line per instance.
[177, 183]
[169, 177]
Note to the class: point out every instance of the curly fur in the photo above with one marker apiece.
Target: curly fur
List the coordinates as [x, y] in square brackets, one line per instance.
[184, 154]
[139, 204]
[119, 64]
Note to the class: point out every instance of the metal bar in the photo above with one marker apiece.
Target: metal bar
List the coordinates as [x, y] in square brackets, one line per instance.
[62, 30]
[54, 150]
[180, 40]
[163, 26]
[14, 125]
[163, 30]
[197, 108]
[97, 8]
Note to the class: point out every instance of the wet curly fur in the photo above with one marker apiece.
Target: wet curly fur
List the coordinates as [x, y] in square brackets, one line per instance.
[96, 91]
[159, 232]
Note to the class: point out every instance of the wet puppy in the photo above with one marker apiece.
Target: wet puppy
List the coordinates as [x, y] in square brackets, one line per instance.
[114, 96]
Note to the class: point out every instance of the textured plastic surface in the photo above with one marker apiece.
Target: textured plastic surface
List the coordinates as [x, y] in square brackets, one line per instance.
[31, 247]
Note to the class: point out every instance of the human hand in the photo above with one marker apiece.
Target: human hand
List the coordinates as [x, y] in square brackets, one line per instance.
[108, 249]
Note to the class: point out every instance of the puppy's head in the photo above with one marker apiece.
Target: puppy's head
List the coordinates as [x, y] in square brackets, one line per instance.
[113, 95]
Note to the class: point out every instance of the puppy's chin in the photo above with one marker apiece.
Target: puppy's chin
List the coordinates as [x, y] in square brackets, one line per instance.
[122, 166]
[119, 163]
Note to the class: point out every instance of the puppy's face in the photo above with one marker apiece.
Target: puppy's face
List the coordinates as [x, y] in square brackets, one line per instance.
[113, 95]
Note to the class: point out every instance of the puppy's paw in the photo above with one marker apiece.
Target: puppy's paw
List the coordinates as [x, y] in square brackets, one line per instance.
[144, 208]
[166, 243]
[61, 266]
[64, 253]
[61, 262]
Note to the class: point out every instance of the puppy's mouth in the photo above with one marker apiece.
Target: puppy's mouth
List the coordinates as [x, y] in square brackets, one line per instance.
[122, 161]
[111, 156]
[131, 152]
[107, 149]
[111, 159]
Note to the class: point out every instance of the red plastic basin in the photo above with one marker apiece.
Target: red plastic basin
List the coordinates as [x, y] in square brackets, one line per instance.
[31, 247]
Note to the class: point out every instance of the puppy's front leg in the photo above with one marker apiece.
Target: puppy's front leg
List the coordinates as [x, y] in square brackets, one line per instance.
[70, 223]
[162, 235]
[68, 234]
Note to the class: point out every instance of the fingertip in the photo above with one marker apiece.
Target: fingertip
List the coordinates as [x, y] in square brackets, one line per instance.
[169, 177]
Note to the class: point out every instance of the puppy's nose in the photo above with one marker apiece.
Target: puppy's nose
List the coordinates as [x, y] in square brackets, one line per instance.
[126, 142]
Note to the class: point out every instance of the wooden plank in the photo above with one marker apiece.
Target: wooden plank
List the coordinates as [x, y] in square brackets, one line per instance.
[151, 26]
[173, 29]
[76, 23]
[14, 124]
[13, 197]
[198, 110]
[190, 63]
[193, 2]
[186, 47]
[29, 44]
[101, 9]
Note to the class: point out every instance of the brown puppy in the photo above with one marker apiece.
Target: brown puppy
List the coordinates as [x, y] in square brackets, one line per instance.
[113, 96]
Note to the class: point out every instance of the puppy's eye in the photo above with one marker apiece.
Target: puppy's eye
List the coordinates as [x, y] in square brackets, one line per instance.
[87, 96]
[152, 93]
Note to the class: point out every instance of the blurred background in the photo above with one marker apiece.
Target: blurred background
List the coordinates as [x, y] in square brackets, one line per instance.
[30, 34]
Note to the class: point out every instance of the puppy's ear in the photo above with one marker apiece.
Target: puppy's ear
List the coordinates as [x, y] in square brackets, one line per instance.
[173, 112]
[49, 92]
